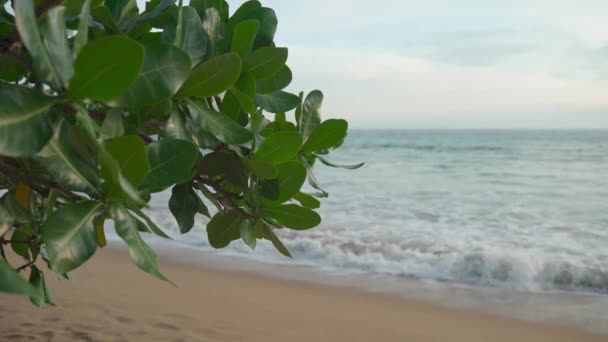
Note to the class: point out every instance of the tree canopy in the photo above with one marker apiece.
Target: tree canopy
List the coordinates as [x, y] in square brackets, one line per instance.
[103, 104]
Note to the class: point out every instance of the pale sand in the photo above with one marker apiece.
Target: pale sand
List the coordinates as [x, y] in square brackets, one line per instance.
[111, 300]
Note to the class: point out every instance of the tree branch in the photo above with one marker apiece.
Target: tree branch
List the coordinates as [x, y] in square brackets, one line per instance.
[34, 182]
[226, 199]
[23, 267]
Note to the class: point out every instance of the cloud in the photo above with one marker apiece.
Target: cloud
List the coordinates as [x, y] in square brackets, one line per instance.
[376, 89]
[446, 63]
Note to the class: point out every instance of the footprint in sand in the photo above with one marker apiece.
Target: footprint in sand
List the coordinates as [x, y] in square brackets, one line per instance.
[20, 337]
[167, 326]
[52, 319]
[124, 319]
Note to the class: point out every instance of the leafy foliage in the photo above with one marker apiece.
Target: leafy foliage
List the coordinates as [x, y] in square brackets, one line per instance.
[102, 105]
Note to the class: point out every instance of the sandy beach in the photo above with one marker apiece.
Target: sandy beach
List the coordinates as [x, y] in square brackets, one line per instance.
[111, 300]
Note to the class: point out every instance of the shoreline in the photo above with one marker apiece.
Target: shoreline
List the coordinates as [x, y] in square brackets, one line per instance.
[576, 310]
[111, 299]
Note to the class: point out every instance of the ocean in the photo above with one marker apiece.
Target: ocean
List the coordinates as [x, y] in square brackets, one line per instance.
[524, 211]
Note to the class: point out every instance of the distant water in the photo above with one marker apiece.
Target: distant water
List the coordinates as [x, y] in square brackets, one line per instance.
[522, 210]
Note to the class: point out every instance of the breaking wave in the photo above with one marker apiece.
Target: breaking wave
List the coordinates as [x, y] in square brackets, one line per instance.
[423, 259]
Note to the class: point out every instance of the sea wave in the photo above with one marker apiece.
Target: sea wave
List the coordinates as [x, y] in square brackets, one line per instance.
[428, 260]
[431, 147]
[422, 258]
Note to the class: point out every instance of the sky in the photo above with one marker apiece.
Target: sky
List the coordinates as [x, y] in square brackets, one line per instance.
[451, 63]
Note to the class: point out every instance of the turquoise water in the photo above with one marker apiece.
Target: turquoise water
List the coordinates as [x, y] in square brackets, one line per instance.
[522, 210]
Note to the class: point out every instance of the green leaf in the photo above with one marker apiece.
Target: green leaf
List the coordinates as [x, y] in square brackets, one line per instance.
[171, 162]
[14, 211]
[25, 122]
[276, 242]
[277, 82]
[112, 125]
[247, 230]
[103, 16]
[277, 102]
[279, 147]
[312, 179]
[176, 127]
[349, 167]
[270, 189]
[143, 256]
[25, 19]
[12, 282]
[291, 176]
[38, 283]
[224, 164]
[232, 108]
[293, 216]
[11, 70]
[86, 123]
[262, 169]
[244, 37]
[99, 71]
[129, 152]
[55, 41]
[268, 26]
[220, 125]
[298, 111]
[116, 185]
[149, 225]
[241, 13]
[100, 233]
[69, 235]
[307, 201]
[264, 62]
[48, 296]
[245, 102]
[311, 115]
[74, 7]
[67, 157]
[7, 20]
[184, 204]
[213, 76]
[327, 135]
[280, 118]
[119, 8]
[82, 36]
[188, 34]
[153, 13]
[243, 91]
[165, 69]
[20, 235]
[224, 228]
[246, 84]
[201, 137]
[245, 10]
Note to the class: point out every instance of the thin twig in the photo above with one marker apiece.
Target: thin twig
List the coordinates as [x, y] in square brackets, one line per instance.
[226, 199]
[23, 267]
[145, 137]
[34, 181]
